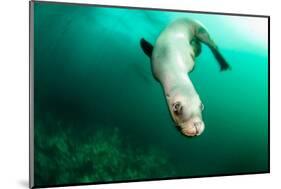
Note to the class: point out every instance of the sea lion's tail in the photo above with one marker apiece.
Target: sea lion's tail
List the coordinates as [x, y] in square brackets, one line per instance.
[203, 36]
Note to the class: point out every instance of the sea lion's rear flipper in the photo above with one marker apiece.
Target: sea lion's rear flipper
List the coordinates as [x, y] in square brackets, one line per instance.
[196, 46]
[146, 47]
[223, 64]
[204, 37]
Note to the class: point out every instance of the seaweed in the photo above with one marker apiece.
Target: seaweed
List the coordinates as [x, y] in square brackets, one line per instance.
[63, 157]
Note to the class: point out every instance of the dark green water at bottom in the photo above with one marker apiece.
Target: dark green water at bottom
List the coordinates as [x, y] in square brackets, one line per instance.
[100, 115]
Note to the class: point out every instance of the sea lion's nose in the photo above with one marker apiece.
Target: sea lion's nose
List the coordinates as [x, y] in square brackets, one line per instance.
[198, 127]
[193, 127]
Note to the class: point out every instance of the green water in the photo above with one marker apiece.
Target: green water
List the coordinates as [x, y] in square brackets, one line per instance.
[101, 116]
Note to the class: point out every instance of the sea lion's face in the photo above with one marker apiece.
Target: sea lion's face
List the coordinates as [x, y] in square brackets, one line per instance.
[187, 113]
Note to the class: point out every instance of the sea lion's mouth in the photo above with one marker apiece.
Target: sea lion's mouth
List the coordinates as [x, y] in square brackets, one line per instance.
[192, 127]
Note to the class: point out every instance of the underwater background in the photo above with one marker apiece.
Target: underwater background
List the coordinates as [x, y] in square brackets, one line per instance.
[100, 116]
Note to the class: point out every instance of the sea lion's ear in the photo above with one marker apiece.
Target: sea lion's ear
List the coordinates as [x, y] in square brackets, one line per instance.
[146, 47]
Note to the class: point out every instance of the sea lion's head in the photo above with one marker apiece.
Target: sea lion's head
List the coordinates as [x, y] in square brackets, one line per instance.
[187, 114]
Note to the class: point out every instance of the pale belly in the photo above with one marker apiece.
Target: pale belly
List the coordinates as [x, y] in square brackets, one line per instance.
[177, 59]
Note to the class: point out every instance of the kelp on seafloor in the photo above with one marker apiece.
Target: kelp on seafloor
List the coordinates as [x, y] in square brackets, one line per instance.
[64, 157]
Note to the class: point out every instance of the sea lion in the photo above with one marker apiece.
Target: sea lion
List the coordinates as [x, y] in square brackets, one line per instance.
[172, 58]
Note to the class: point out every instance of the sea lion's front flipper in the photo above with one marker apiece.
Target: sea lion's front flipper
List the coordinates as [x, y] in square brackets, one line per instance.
[204, 37]
[146, 47]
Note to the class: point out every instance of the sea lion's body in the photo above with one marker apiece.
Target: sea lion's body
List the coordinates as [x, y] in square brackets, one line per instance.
[172, 58]
[172, 51]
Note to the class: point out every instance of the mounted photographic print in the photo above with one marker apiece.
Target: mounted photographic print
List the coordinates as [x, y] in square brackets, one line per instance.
[122, 94]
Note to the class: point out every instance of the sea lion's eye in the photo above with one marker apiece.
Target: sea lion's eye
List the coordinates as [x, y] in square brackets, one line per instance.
[202, 106]
[177, 108]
